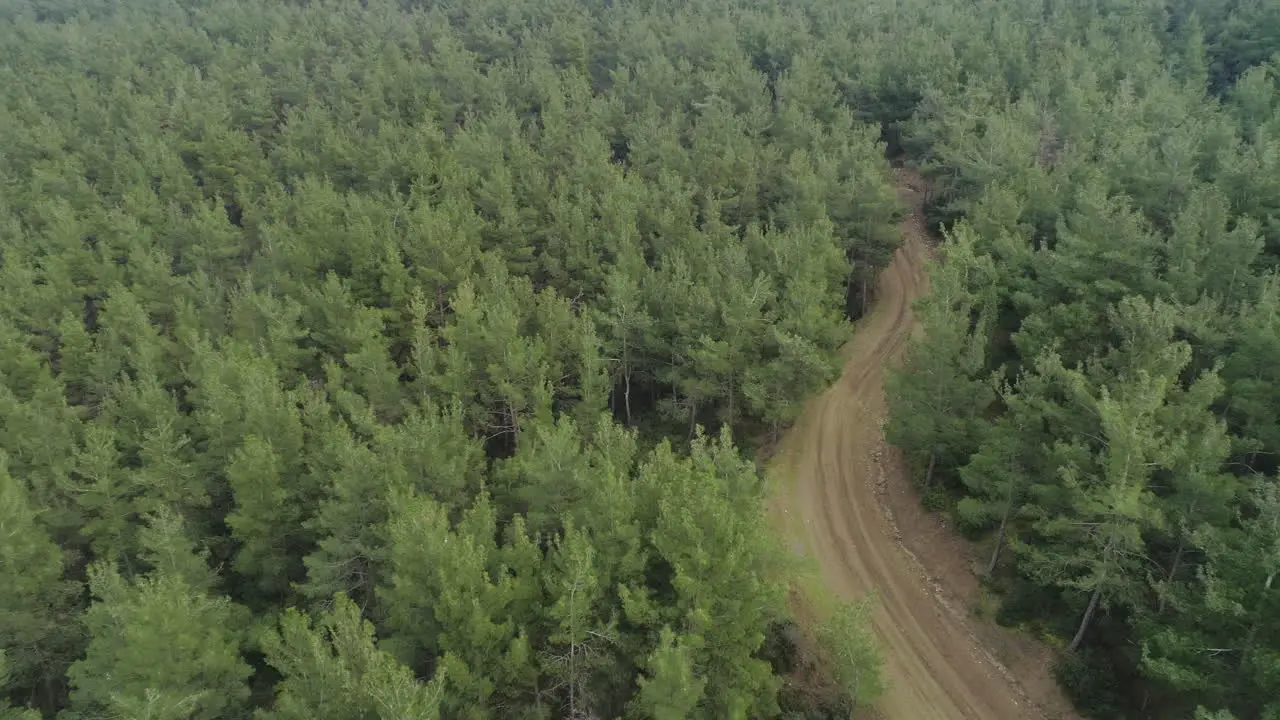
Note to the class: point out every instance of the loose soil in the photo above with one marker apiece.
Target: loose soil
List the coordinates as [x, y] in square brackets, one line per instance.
[846, 503]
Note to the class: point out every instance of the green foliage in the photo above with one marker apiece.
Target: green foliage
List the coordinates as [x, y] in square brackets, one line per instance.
[159, 647]
[938, 396]
[670, 690]
[1090, 681]
[8, 712]
[513, 624]
[446, 602]
[710, 534]
[422, 306]
[335, 669]
[855, 661]
[38, 632]
[1110, 189]
[1095, 543]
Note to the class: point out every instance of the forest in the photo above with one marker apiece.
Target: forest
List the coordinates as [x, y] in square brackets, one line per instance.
[1096, 399]
[406, 360]
[412, 358]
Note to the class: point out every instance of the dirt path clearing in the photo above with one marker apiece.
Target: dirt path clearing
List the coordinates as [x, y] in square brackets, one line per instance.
[834, 471]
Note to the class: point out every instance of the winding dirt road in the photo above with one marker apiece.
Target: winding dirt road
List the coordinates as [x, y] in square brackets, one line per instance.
[830, 506]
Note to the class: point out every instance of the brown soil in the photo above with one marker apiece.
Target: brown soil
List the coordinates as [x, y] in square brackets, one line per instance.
[845, 501]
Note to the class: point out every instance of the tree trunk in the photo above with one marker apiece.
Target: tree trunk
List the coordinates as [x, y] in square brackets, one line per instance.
[933, 461]
[1084, 622]
[1004, 525]
[1246, 653]
[626, 392]
[1173, 570]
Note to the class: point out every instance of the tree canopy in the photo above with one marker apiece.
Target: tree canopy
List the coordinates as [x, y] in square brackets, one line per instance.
[402, 359]
[405, 358]
[1094, 389]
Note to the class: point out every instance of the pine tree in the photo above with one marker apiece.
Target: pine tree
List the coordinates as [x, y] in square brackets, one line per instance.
[429, 453]
[448, 604]
[159, 647]
[263, 506]
[168, 548]
[671, 690]
[937, 398]
[1250, 377]
[999, 476]
[40, 434]
[1096, 546]
[582, 640]
[1085, 273]
[1217, 648]
[1241, 584]
[8, 712]
[104, 494]
[719, 359]
[1206, 257]
[625, 322]
[720, 590]
[497, 358]
[798, 354]
[335, 669]
[855, 661]
[1198, 493]
[38, 629]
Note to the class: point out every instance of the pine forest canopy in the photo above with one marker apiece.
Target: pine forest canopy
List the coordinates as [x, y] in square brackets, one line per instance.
[1097, 396]
[356, 354]
[377, 359]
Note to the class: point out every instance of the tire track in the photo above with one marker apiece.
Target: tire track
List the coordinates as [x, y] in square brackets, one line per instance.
[934, 666]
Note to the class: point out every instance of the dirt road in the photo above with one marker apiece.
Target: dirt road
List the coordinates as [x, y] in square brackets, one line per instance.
[830, 506]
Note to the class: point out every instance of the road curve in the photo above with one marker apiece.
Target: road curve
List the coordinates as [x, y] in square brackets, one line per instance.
[829, 508]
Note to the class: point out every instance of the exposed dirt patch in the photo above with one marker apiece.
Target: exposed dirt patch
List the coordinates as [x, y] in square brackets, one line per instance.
[845, 502]
[952, 566]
